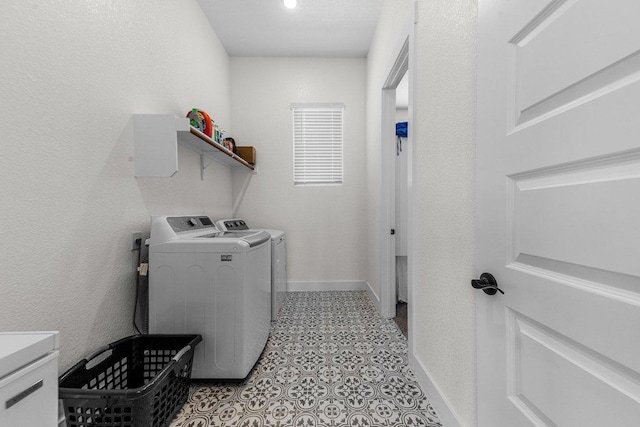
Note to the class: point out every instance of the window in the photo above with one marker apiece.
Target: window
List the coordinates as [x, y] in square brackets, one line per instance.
[317, 143]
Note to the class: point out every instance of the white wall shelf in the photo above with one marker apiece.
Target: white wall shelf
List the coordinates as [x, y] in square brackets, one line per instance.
[156, 138]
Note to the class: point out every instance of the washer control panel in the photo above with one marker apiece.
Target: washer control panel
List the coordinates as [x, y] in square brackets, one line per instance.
[232, 224]
[190, 223]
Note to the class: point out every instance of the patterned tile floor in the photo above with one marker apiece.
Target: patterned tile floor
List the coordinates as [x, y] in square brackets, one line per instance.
[331, 360]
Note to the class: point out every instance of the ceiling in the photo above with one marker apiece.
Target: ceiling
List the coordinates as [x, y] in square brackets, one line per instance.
[315, 28]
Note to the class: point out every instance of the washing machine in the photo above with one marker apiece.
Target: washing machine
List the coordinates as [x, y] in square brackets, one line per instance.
[214, 283]
[278, 261]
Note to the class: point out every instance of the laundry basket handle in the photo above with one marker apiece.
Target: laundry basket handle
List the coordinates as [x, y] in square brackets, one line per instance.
[181, 353]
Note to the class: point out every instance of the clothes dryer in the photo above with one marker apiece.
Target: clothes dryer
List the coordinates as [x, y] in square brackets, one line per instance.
[214, 283]
[278, 261]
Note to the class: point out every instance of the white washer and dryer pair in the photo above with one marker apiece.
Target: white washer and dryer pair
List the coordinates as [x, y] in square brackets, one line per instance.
[278, 260]
[215, 283]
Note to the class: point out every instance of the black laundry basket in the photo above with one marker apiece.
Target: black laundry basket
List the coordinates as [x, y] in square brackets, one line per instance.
[138, 381]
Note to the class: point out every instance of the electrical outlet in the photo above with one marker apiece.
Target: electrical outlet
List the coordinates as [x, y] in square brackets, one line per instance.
[135, 235]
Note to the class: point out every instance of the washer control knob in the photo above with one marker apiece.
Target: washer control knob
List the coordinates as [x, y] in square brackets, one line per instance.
[193, 221]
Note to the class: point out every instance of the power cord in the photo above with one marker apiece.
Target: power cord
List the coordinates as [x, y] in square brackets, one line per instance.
[140, 271]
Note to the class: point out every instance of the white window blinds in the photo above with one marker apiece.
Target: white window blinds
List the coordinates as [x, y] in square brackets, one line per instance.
[317, 143]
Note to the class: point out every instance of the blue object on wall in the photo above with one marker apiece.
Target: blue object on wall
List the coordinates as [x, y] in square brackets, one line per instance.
[401, 129]
[401, 132]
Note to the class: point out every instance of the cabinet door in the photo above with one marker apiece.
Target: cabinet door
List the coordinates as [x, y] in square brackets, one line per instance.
[29, 396]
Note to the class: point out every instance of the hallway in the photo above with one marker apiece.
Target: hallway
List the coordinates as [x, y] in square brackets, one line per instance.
[331, 360]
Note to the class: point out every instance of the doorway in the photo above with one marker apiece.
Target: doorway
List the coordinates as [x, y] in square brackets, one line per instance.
[395, 201]
[401, 204]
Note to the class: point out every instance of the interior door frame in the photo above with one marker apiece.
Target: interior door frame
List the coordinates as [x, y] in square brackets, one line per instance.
[403, 60]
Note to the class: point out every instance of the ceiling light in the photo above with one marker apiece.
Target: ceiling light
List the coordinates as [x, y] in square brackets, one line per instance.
[290, 3]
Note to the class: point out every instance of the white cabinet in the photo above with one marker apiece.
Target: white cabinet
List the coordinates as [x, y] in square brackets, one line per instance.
[29, 379]
[156, 138]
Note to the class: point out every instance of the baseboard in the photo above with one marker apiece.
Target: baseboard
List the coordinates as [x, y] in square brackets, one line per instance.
[373, 296]
[339, 285]
[437, 400]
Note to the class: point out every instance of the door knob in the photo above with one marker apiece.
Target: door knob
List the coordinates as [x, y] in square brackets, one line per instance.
[487, 283]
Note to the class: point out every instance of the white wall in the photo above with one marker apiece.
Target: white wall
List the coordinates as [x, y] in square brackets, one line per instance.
[444, 122]
[324, 224]
[71, 75]
[394, 19]
[402, 115]
[445, 197]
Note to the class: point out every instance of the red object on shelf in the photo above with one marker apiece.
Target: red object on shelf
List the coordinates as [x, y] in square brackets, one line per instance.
[200, 120]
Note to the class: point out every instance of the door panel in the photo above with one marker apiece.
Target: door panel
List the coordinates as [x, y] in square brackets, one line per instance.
[554, 379]
[565, 35]
[579, 214]
[558, 211]
[552, 62]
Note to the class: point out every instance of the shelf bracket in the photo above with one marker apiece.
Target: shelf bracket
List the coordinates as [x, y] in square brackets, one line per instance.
[203, 166]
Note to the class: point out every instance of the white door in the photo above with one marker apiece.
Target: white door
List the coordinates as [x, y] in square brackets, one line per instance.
[558, 211]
